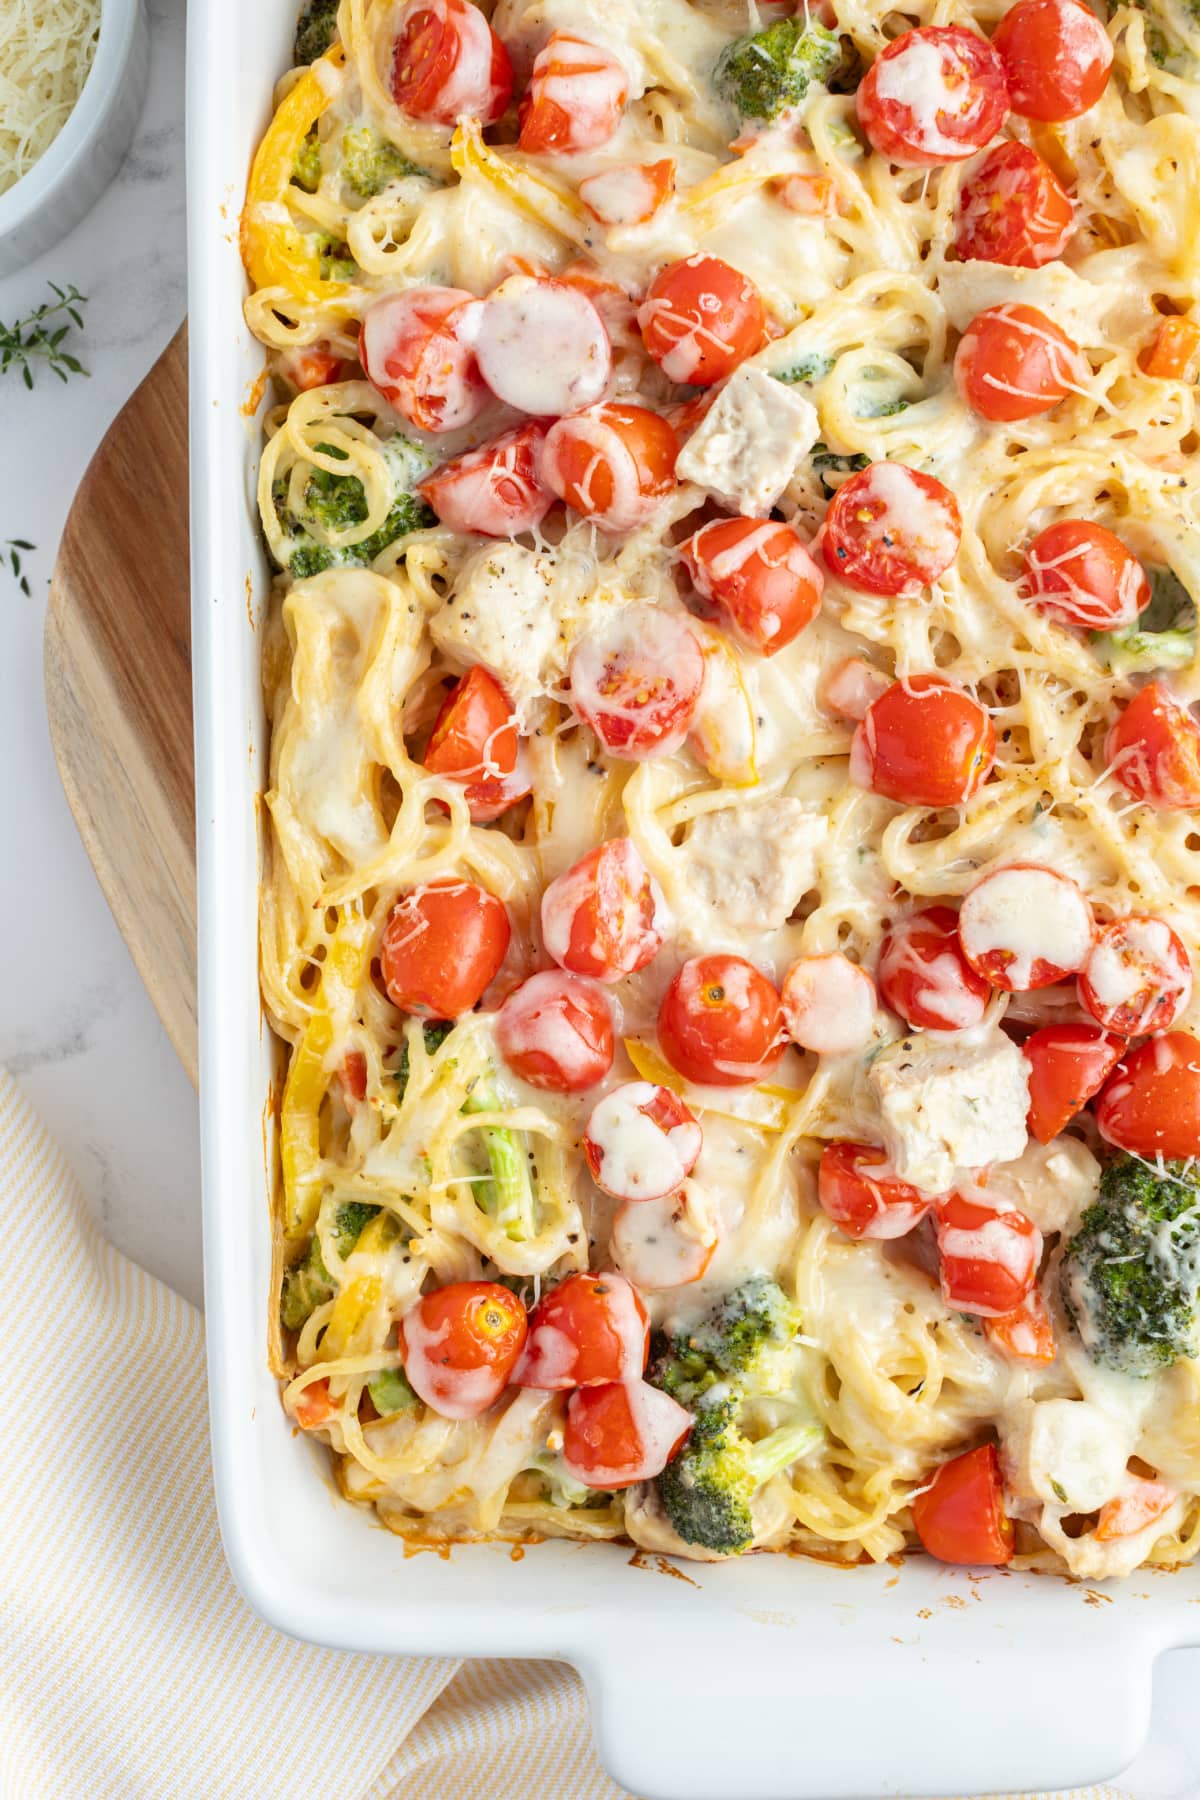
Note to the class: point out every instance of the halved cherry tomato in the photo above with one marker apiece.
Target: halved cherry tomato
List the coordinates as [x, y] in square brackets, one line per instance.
[859, 1194]
[1013, 209]
[700, 319]
[1150, 1105]
[1056, 56]
[1153, 750]
[1023, 927]
[721, 1023]
[577, 93]
[891, 530]
[1170, 355]
[635, 679]
[606, 915]
[448, 61]
[852, 687]
[936, 95]
[1082, 574]
[588, 1329]
[828, 1004]
[1026, 1334]
[613, 463]
[628, 193]
[960, 1517]
[555, 1031]
[665, 1243]
[759, 572]
[542, 346]
[460, 1345]
[926, 742]
[989, 1259]
[442, 946]
[354, 1077]
[924, 976]
[1138, 978]
[1013, 362]
[414, 349]
[312, 1406]
[641, 1142]
[496, 489]
[1141, 1505]
[1067, 1065]
[622, 1432]
[475, 742]
[312, 366]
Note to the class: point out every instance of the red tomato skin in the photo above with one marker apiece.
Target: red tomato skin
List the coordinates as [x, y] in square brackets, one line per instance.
[460, 1345]
[1068, 1064]
[960, 1517]
[973, 1281]
[892, 127]
[635, 679]
[924, 976]
[605, 916]
[1057, 58]
[759, 572]
[721, 1023]
[577, 93]
[1025, 1335]
[1148, 947]
[700, 319]
[1150, 1105]
[622, 1432]
[1013, 363]
[447, 61]
[475, 734]
[354, 1078]
[612, 463]
[1153, 750]
[1007, 964]
[1080, 573]
[587, 1330]
[1013, 209]
[669, 1113]
[556, 1032]
[863, 1204]
[890, 753]
[495, 490]
[891, 530]
[442, 947]
[410, 347]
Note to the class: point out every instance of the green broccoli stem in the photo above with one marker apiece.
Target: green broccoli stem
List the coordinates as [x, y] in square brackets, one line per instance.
[779, 1449]
[507, 1192]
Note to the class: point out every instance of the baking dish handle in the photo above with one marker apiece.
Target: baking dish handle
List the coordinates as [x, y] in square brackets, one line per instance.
[841, 1720]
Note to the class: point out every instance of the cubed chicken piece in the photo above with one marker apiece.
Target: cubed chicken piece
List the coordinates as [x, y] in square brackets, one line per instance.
[748, 867]
[950, 1103]
[748, 446]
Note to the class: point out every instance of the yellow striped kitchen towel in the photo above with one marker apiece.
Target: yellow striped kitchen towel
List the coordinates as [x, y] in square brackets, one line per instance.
[130, 1667]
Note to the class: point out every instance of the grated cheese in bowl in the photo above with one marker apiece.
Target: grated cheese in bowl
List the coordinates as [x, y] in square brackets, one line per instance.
[46, 52]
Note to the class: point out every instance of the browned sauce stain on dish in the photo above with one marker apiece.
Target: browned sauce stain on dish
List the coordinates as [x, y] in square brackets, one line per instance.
[659, 1565]
[416, 1547]
[254, 395]
[1093, 1597]
[517, 1553]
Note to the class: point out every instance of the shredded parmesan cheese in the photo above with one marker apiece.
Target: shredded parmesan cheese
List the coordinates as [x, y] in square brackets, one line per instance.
[46, 52]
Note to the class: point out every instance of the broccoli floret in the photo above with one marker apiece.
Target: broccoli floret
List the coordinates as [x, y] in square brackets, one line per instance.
[809, 369]
[771, 71]
[1164, 637]
[338, 502]
[390, 1393]
[827, 462]
[1130, 1277]
[308, 1283]
[724, 1371]
[315, 30]
[1172, 32]
[306, 171]
[506, 1192]
[369, 162]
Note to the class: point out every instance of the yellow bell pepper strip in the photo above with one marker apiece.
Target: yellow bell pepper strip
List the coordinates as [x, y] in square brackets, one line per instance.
[274, 249]
[350, 1330]
[764, 1105]
[308, 1080]
[540, 198]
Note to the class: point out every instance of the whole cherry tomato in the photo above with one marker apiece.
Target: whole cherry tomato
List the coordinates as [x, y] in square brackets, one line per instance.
[587, 1329]
[1153, 750]
[442, 946]
[1057, 58]
[720, 1022]
[937, 94]
[926, 742]
[759, 572]
[700, 319]
[1082, 574]
[460, 1345]
[1012, 362]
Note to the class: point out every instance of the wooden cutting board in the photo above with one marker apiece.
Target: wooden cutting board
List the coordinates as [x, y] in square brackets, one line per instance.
[118, 686]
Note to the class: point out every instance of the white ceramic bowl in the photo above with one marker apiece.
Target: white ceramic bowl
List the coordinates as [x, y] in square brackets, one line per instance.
[69, 179]
[769, 1678]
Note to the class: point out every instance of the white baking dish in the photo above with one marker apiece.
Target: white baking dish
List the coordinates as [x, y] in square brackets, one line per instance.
[767, 1679]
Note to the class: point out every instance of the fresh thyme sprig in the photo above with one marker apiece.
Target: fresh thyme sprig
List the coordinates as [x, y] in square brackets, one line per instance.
[10, 558]
[38, 337]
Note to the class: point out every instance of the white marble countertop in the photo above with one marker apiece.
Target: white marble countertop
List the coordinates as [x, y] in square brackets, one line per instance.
[76, 1026]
